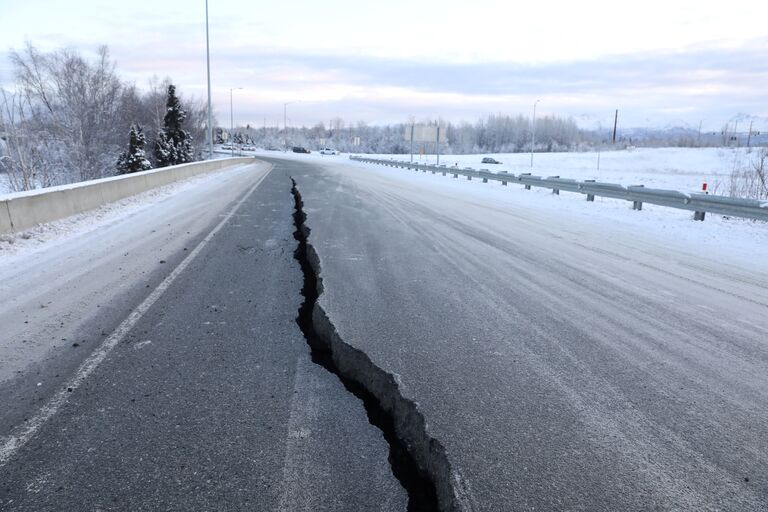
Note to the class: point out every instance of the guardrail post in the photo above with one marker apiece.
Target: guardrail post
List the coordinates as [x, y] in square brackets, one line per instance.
[503, 182]
[455, 175]
[700, 215]
[444, 172]
[555, 191]
[637, 205]
[527, 187]
[590, 197]
[485, 180]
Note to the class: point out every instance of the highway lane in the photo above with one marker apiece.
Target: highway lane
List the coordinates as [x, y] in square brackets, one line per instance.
[211, 400]
[61, 298]
[563, 366]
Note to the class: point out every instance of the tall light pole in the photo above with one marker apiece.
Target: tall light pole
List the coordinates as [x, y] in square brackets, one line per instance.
[232, 119]
[208, 60]
[533, 131]
[285, 122]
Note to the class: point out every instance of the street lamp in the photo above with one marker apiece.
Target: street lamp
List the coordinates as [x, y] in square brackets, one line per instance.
[208, 60]
[533, 131]
[285, 122]
[232, 119]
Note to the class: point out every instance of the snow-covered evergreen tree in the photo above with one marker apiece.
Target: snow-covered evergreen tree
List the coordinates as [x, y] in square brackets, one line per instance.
[174, 144]
[135, 159]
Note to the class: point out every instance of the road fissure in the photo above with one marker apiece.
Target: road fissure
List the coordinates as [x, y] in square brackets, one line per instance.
[417, 460]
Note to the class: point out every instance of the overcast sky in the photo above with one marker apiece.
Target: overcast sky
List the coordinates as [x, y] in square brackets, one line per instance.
[671, 62]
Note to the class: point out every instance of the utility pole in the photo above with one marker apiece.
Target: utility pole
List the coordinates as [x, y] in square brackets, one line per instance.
[232, 121]
[208, 60]
[615, 122]
[437, 145]
[412, 127]
[285, 124]
[749, 135]
[698, 140]
[533, 131]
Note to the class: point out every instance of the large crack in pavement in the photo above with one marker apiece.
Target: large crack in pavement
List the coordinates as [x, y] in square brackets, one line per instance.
[418, 461]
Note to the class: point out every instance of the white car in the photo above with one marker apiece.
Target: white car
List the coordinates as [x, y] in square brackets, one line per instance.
[328, 151]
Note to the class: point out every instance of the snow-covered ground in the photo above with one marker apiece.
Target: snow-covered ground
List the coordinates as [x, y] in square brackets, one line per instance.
[683, 169]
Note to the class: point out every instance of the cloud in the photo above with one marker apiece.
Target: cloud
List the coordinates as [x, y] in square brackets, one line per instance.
[712, 82]
[744, 67]
[659, 87]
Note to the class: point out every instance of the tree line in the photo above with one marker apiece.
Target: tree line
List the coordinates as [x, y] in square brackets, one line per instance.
[496, 133]
[493, 134]
[70, 119]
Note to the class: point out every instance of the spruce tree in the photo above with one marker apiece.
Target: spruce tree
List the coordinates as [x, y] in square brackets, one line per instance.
[135, 159]
[174, 144]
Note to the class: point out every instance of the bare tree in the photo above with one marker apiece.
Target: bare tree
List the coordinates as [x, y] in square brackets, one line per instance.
[75, 105]
[750, 180]
[23, 159]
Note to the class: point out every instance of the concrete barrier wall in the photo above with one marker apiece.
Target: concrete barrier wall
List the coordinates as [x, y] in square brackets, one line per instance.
[24, 210]
[5, 218]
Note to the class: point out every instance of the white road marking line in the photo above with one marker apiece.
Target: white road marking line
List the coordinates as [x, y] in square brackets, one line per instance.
[298, 463]
[12, 443]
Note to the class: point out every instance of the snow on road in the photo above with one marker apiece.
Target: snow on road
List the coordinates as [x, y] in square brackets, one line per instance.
[58, 277]
[567, 355]
[739, 242]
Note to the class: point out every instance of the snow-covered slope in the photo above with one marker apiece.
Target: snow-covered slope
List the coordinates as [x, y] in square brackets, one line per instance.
[682, 169]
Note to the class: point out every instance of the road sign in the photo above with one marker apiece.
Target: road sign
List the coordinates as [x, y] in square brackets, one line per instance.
[424, 133]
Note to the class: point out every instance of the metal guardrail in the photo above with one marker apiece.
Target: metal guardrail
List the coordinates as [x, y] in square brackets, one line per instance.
[639, 194]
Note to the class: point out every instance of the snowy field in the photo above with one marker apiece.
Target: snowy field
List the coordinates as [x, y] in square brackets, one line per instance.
[683, 169]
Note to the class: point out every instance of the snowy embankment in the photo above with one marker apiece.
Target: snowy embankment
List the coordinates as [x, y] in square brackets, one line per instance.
[683, 169]
[50, 234]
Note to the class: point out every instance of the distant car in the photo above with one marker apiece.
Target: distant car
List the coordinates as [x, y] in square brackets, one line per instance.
[489, 160]
[328, 151]
[226, 146]
[299, 149]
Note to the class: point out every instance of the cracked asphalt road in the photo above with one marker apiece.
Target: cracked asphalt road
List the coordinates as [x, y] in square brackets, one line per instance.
[563, 366]
[211, 402]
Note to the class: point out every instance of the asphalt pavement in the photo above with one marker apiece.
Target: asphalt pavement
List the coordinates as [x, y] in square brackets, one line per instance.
[211, 400]
[561, 366]
[531, 362]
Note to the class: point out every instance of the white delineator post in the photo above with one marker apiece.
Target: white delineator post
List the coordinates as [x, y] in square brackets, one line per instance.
[700, 215]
